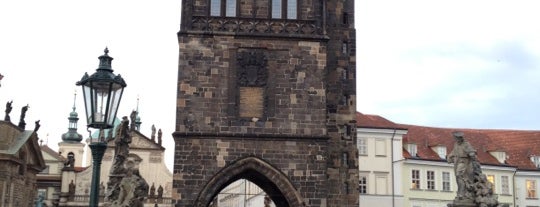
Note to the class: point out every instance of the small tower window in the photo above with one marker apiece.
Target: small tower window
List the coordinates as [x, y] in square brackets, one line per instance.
[345, 159]
[215, 8]
[218, 7]
[284, 9]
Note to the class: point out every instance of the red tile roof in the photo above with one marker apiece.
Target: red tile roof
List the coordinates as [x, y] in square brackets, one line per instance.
[374, 121]
[519, 145]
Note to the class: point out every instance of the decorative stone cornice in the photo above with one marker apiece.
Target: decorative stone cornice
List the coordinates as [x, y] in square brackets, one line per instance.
[256, 27]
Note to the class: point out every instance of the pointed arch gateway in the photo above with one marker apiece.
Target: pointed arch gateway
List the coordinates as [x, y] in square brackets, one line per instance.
[257, 171]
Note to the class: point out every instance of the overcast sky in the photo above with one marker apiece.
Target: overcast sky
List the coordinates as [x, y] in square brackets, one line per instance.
[470, 64]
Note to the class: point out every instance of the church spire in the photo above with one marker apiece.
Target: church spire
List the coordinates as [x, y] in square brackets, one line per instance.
[72, 135]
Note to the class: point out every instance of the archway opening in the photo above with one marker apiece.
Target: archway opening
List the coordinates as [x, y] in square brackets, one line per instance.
[276, 186]
[242, 193]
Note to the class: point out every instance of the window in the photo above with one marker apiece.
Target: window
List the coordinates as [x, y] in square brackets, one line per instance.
[362, 146]
[531, 188]
[42, 192]
[430, 180]
[411, 148]
[346, 188]
[446, 181]
[441, 151]
[491, 179]
[217, 8]
[345, 159]
[381, 183]
[415, 178]
[344, 48]
[380, 148]
[536, 161]
[362, 185]
[290, 11]
[505, 189]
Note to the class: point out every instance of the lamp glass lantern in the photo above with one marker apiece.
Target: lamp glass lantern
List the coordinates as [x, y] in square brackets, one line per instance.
[102, 92]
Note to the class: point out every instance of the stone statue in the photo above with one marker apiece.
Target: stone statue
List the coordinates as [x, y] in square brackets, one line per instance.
[132, 117]
[121, 150]
[473, 187]
[133, 189]
[122, 139]
[36, 126]
[152, 191]
[160, 192]
[159, 134]
[8, 110]
[153, 136]
[22, 124]
[39, 201]
[462, 156]
[126, 187]
[71, 191]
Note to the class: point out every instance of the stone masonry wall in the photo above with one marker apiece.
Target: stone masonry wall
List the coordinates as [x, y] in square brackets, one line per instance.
[198, 160]
[207, 95]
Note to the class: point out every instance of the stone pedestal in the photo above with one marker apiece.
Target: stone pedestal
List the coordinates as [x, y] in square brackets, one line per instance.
[462, 203]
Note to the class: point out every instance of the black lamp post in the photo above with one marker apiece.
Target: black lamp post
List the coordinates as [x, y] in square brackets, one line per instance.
[102, 92]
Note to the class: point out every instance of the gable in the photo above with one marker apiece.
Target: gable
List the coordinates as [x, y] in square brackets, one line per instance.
[139, 141]
[50, 155]
[34, 155]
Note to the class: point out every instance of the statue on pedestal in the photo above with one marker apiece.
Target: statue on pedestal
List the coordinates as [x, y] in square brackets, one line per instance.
[474, 189]
[126, 187]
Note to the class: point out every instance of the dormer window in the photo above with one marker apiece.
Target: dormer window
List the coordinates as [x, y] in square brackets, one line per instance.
[441, 151]
[411, 148]
[536, 161]
[499, 155]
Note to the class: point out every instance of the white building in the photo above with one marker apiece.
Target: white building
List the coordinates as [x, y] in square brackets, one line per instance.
[379, 163]
[423, 178]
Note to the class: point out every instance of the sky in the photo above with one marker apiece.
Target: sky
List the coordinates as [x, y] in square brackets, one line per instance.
[459, 64]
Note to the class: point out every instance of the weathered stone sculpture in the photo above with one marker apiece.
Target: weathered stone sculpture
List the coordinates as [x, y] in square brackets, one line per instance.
[22, 123]
[133, 189]
[8, 110]
[126, 187]
[71, 191]
[153, 136]
[474, 190]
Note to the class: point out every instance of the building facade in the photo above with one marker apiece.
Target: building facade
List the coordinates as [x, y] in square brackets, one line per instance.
[380, 161]
[21, 161]
[266, 92]
[509, 159]
[49, 180]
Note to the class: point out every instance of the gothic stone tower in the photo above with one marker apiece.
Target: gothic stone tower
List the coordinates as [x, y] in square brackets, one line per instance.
[266, 92]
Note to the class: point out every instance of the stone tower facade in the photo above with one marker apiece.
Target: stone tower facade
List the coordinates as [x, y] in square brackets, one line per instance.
[266, 92]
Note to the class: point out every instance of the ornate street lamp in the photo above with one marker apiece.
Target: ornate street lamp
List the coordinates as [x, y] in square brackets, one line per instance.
[102, 92]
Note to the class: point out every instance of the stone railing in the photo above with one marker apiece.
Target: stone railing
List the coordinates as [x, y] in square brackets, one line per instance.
[250, 26]
[82, 200]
